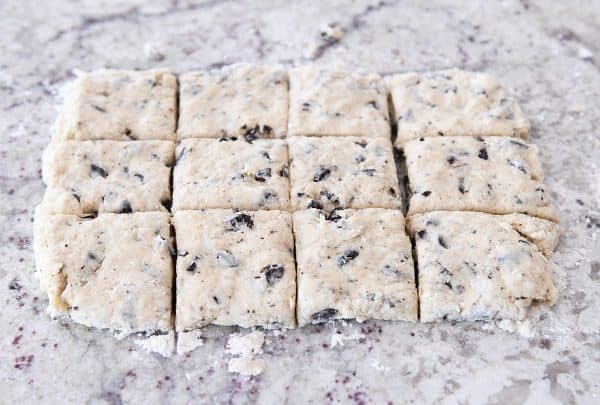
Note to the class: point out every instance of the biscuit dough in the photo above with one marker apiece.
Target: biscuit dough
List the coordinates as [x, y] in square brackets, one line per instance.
[90, 177]
[114, 271]
[354, 264]
[498, 175]
[477, 266]
[119, 105]
[342, 172]
[241, 100]
[329, 101]
[235, 268]
[453, 103]
[231, 174]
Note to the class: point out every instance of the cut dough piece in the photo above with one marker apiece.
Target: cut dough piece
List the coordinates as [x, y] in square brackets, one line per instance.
[498, 175]
[120, 105]
[231, 174]
[89, 177]
[235, 268]
[453, 103]
[354, 264]
[239, 100]
[476, 266]
[335, 102]
[343, 172]
[114, 271]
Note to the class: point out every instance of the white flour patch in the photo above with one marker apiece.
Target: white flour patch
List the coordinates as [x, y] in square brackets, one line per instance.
[245, 349]
[189, 341]
[163, 345]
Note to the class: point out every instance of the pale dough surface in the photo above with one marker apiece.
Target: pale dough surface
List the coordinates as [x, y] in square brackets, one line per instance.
[329, 101]
[235, 268]
[241, 100]
[354, 264]
[120, 105]
[478, 266]
[498, 175]
[342, 172]
[114, 271]
[210, 173]
[453, 103]
[89, 177]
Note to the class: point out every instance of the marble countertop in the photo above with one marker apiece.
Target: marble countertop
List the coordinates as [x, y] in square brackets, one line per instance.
[547, 53]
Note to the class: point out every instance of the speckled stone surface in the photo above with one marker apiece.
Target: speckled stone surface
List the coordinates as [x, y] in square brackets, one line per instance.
[546, 53]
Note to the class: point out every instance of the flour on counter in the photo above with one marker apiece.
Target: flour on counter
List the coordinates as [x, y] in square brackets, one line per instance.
[159, 344]
[189, 341]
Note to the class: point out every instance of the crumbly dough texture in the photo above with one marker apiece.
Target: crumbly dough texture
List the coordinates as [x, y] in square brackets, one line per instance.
[329, 101]
[498, 175]
[89, 177]
[235, 268]
[231, 174]
[453, 103]
[120, 105]
[354, 264]
[478, 266]
[240, 100]
[114, 271]
[342, 172]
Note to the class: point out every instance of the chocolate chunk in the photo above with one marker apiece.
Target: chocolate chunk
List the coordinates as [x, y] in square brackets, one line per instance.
[322, 173]
[125, 207]
[226, 259]
[324, 315]
[519, 144]
[331, 197]
[192, 267]
[98, 171]
[284, 172]
[426, 193]
[359, 158]
[442, 242]
[273, 273]
[315, 204]
[333, 215]
[451, 160]
[518, 165]
[263, 174]
[392, 192]
[140, 177]
[461, 185]
[421, 234]
[369, 172]
[346, 257]
[483, 153]
[361, 143]
[215, 299]
[238, 221]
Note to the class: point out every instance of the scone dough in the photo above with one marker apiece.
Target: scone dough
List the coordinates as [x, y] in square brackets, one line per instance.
[329, 101]
[477, 266]
[240, 100]
[114, 271]
[235, 268]
[90, 177]
[120, 105]
[453, 103]
[498, 175]
[212, 173]
[354, 264]
[342, 172]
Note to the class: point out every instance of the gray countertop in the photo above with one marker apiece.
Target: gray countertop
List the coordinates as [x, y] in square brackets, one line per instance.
[547, 53]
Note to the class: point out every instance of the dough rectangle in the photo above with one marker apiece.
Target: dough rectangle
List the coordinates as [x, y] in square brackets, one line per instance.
[114, 271]
[90, 177]
[241, 100]
[453, 103]
[354, 264]
[235, 268]
[212, 173]
[477, 266]
[342, 172]
[328, 101]
[120, 105]
[498, 175]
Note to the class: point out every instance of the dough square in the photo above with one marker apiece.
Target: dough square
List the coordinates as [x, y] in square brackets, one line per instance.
[476, 266]
[453, 103]
[90, 177]
[120, 105]
[235, 268]
[241, 100]
[498, 175]
[114, 271]
[212, 173]
[329, 101]
[354, 264]
[342, 172]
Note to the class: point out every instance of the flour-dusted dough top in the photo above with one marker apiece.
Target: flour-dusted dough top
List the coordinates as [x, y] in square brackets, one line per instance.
[89, 177]
[498, 175]
[453, 103]
[240, 100]
[354, 264]
[114, 271]
[328, 101]
[120, 105]
[477, 266]
[231, 174]
[336, 172]
[235, 268]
